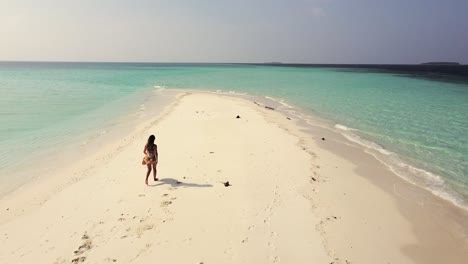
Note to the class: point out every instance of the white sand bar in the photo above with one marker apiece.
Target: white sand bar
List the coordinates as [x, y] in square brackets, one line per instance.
[291, 200]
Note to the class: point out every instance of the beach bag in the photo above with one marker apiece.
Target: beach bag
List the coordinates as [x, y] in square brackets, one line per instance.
[146, 160]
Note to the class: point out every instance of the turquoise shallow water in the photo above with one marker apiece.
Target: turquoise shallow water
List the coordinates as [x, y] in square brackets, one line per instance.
[419, 125]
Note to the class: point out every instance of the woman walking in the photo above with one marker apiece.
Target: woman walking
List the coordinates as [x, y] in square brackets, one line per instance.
[151, 157]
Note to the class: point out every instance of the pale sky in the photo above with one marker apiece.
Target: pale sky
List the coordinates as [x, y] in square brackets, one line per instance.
[295, 31]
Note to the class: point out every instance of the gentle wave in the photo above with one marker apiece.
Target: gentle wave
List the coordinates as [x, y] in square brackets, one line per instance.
[366, 143]
[343, 127]
[282, 102]
[159, 88]
[226, 92]
[234, 92]
[420, 177]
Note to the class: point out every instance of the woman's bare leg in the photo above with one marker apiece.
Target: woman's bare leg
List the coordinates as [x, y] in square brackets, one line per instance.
[148, 173]
[155, 172]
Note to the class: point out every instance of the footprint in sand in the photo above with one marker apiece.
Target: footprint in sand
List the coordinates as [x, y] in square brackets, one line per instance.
[188, 240]
[275, 259]
[144, 228]
[87, 245]
[78, 260]
[165, 203]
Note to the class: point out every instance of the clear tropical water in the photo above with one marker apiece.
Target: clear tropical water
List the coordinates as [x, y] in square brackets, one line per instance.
[419, 126]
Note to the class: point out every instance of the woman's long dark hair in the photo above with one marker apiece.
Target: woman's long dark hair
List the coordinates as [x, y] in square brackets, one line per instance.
[150, 144]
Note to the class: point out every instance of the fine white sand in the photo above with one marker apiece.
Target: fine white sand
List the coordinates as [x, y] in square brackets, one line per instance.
[294, 199]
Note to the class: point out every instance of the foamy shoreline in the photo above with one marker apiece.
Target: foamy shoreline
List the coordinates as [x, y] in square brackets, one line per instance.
[294, 199]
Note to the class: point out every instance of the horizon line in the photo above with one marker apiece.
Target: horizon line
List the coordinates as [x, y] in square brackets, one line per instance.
[442, 63]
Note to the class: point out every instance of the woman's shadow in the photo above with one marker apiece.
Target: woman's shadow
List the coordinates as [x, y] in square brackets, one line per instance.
[175, 183]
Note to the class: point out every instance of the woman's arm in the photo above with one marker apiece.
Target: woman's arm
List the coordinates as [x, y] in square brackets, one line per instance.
[156, 152]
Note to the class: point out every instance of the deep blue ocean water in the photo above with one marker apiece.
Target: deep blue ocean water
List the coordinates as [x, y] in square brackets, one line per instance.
[417, 122]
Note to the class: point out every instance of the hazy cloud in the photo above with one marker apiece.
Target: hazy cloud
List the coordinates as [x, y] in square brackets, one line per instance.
[306, 31]
[316, 11]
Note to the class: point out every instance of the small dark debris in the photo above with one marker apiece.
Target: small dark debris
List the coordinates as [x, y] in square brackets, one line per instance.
[178, 182]
[237, 116]
[8, 209]
[288, 118]
[184, 177]
[335, 217]
[314, 179]
[323, 138]
[211, 152]
[85, 236]
[269, 107]
[227, 184]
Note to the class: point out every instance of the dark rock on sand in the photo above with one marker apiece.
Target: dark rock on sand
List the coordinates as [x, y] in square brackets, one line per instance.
[227, 184]
[237, 116]
[323, 138]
